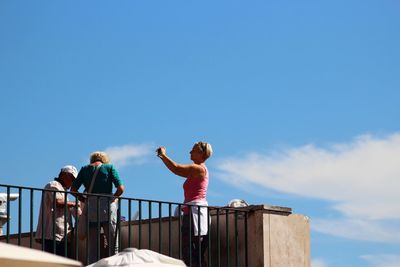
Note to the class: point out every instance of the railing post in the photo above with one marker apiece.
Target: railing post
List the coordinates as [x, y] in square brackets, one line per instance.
[76, 234]
[245, 239]
[190, 235]
[8, 214]
[109, 237]
[169, 230]
[227, 239]
[180, 231]
[31, 220]
[98, 228]
[199, 232]
[140, 224]
[19, 215]
[118, 230]
[42, 217]
[129, 222]
[159, 227]
[54, 222]
[66, 220]
[209, 236]
[87, 228]
[236, 239]
[150, 204]
[218, 240]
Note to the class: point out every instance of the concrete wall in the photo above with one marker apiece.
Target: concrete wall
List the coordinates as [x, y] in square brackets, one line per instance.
[276, 238]
[287, 239]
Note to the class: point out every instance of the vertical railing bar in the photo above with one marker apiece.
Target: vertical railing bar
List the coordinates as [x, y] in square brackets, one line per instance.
[209, 235]
[66, 219]
[109, 237]
[180, 231]
[87, 229]
[140, 224]
[42, 215]
[218, 239]
[227, 238]
[76, 237]
[118, 233]
[199, 234]
[54, 222]
[98, 228]
[169, 230]
[245, 240]
[150, 204]
[129, 222]
[31, 220]
[8, 214]
[236, 239]
[159, 227]
[19, 215]
[190, 235]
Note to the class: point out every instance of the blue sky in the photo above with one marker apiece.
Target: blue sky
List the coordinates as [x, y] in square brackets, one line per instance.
[298, 98]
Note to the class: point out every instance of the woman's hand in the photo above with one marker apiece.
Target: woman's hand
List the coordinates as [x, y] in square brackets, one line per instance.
[161, 151]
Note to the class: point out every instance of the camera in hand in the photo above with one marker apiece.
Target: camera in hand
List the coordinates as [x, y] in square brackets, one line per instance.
[158, 151]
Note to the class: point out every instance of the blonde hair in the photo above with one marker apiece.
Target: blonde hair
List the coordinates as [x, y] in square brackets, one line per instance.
[99, 156]
[206, 148]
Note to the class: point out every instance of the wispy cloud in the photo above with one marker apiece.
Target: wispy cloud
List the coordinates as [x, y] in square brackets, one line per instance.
[383, 260]
[129, 154]
[360, 229]
[360, 178]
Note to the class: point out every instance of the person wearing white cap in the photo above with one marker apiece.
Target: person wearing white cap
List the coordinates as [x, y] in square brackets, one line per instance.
[48, 220]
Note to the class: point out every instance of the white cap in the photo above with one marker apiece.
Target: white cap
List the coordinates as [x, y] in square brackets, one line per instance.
[70, 169]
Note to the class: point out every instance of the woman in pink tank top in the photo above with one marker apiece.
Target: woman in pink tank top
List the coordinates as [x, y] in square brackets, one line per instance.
[195, 192]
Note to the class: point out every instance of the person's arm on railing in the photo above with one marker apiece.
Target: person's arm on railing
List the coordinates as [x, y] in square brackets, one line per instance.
[118, 192]
[76, 193]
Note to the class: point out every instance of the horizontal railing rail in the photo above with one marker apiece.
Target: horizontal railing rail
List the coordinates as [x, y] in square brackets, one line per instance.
[157, 225]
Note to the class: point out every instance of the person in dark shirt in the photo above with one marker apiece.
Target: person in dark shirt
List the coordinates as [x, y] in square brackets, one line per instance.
[103, 182]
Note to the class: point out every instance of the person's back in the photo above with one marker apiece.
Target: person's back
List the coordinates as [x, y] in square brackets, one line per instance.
[107, 176]
[100, 210]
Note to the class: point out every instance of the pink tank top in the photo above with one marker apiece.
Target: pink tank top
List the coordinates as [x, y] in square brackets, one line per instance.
[196, 188]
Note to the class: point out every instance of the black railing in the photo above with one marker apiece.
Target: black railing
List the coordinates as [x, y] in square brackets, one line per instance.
[153, 227]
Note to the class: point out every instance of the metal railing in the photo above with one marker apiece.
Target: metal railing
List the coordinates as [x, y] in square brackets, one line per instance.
[154, 226]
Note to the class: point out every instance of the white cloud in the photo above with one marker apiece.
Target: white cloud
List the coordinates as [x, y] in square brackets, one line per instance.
[318, 263]
[128, 154]
[358, 229]
[383, 260]
[361, 178]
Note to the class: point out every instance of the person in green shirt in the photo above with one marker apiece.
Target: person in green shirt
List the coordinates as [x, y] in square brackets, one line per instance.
[101, 183]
